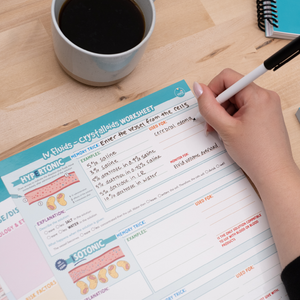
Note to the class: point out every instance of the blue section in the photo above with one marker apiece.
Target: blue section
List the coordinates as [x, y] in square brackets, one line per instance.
[35, 153]
[61, 264]
[288, 12]
[3, 192]
[17, 182]
[109, 240]
[69, 260]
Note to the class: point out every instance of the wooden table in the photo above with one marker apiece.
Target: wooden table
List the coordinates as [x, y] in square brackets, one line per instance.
[193, 40]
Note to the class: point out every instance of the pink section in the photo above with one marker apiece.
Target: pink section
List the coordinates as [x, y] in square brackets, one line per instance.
[96, 264]
[22, 265]
[51, 188]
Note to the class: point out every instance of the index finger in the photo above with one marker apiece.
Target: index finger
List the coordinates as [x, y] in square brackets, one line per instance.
[224, 80]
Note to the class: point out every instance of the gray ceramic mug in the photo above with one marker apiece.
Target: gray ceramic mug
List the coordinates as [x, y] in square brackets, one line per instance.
[93, 68]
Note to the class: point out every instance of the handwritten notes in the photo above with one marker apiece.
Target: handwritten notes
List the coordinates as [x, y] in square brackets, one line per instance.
[119, 174]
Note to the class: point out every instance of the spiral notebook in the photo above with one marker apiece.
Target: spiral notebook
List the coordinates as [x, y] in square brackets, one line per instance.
[279, 18]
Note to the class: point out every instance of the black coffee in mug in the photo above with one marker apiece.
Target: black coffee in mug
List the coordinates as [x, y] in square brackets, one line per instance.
[102, 26]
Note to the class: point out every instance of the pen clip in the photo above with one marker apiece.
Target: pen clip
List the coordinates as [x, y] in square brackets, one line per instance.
[286, 60]
[284, 55]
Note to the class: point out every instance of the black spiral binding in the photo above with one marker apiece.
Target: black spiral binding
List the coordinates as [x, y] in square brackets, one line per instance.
[266, 10]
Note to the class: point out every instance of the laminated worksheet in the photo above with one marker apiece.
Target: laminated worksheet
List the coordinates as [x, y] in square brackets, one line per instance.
[141, 204]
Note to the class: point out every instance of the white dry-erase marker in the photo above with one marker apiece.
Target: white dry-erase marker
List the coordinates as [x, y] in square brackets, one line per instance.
[274, 62]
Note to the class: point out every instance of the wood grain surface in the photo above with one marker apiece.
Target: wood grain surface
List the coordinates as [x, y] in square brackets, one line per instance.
[193, 40]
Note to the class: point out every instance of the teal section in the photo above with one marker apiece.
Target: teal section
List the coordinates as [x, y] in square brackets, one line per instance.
[110, 239]
[3, 192]
[288, 12]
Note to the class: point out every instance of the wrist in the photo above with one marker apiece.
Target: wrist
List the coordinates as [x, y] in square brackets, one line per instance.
[277, 177]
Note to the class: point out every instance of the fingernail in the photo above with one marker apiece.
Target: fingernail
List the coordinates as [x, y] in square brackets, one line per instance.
[197, 89]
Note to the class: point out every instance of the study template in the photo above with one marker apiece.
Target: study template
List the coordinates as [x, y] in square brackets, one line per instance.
[141, 204]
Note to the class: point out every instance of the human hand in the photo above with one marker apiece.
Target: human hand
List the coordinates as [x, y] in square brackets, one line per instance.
[250, 124]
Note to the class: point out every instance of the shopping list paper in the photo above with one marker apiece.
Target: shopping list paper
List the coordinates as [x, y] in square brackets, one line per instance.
[141, 204]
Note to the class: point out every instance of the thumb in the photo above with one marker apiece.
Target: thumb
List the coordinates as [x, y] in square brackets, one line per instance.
[211, 110]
